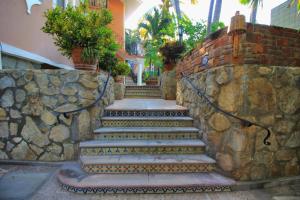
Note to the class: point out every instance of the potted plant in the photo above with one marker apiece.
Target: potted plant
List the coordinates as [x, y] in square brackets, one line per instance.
[119, 71]
[81, 33]
[171, 52]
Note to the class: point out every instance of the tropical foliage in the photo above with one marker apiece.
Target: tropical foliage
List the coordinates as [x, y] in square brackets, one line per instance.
[132, 40]
[74, 27]
[254, 5]
[194, 32]
[214, 13]
[121, 68]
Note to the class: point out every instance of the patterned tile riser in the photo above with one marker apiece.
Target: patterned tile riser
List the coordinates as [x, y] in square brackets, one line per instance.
[148, 190]
[142, 88]
[95, 151]
[146, 136]
[148, 168]
[132, 123]
[130, 113]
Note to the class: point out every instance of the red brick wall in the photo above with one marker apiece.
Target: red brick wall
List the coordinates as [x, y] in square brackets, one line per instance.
[261, 44]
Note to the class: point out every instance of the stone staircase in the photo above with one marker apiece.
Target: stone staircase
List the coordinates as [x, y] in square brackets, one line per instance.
[129, 81]
[144, 146]
[145, 92]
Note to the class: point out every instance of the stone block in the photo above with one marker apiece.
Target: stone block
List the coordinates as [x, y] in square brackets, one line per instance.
[7, 82]
[59, 133]
[219, 122]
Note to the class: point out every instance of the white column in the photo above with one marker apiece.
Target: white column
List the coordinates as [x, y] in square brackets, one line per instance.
[0, 56]
[139, 75]
[66, 3]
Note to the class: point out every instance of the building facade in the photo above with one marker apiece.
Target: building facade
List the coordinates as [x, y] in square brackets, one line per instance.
[286, 16]
[21, 36]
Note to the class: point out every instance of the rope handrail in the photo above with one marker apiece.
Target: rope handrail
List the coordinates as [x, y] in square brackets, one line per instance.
[65, 113]
[245, 122]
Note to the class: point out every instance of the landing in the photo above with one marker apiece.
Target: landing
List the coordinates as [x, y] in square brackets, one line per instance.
[145, 104]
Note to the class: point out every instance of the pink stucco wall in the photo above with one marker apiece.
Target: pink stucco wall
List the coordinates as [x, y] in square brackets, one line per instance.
[21, 30]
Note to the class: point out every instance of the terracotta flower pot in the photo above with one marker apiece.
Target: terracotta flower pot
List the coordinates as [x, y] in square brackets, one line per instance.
[169, 66]
[119, 79]
[151, 81]
[80, 64]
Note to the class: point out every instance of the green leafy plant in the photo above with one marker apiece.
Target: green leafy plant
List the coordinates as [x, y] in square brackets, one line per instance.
[171, 51]
[194, 32]
[217, 26]
[121, 68]
[80, 27]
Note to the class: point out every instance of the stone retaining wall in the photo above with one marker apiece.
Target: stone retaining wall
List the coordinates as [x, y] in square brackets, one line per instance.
[168, 85]
[29, 129]
[10, 62]
[266, 95]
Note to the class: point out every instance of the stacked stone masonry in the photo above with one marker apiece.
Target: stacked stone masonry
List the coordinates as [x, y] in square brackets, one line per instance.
[268, 95]
[29, 128]
[260, 44]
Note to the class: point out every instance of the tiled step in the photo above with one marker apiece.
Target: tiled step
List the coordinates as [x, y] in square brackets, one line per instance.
[147, 122]
[147, 163]
[146, 113]
[144, 133]
[75, 180]
[119, 147]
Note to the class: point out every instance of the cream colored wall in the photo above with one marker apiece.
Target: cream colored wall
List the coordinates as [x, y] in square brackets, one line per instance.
[21, 30]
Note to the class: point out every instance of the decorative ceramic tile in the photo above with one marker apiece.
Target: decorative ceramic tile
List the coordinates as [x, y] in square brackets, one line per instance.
[146, 123]
[147, 136]
[148, 168]
[148, 113]
[140, 150]
[148, 190]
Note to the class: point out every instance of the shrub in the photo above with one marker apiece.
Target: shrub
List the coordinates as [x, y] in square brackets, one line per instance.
[81, 27]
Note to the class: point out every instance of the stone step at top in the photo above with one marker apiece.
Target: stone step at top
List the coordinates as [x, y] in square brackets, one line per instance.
[120, 147]
[147, 163]
[76, 180]
[141, 97]
[145, 87]
[142, 90]
[150, 94]
[147, 122]
[146, 113]
[143, 133]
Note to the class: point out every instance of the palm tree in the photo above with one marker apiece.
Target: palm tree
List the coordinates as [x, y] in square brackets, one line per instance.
[176, 5]
[210, 14]
[155, 27]
[217, 11]
[254, 4]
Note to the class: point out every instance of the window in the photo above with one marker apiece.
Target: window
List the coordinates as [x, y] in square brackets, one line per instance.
[64, 3]
[98, 3]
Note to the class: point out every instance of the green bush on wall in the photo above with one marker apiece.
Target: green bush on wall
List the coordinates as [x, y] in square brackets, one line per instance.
[121, 68]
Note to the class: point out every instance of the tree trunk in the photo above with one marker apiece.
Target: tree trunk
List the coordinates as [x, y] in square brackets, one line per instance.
[253, 14]
[211, 7]
[176, 5]
[217, 11]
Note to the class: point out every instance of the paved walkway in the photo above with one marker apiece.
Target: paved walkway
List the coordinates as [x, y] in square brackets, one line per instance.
[144, 104]
[39, 182]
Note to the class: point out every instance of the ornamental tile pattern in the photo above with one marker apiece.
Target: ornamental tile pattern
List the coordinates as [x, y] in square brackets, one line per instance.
[95, 151]
[145, 113]
[147, 168]
[146, 123]
[147, 190]
[146, 136]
